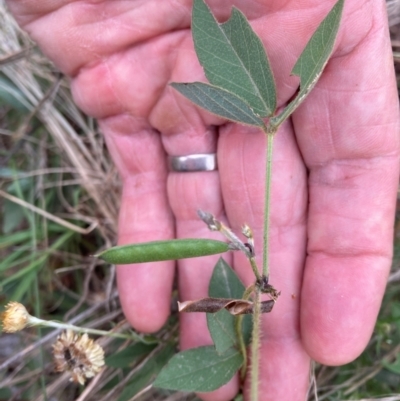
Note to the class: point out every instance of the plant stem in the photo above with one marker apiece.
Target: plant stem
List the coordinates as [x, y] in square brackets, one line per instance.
[239, 333]
[34, 321]
[267, 205]
[255, 345]
[242, 345]
[254, 267]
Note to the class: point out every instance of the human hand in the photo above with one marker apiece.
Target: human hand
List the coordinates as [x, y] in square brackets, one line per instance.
[335, 168]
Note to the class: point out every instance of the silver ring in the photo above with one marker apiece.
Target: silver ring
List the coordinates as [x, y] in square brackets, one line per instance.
[190, 163]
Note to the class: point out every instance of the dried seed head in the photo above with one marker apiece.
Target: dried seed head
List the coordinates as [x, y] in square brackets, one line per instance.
[14, 318]
[78, 354]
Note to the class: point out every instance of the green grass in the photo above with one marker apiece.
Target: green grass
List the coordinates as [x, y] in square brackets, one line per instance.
[59, 196]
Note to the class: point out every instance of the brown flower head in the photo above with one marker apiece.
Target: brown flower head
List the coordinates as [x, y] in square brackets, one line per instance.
[78, 354]
[14, 318]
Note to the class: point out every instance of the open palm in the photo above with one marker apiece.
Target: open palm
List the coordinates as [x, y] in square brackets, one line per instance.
[335, 167]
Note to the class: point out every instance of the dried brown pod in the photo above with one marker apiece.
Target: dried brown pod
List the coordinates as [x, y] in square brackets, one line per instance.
[233, 306]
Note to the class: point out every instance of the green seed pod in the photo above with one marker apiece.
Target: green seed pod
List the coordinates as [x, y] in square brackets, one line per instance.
[163, 250]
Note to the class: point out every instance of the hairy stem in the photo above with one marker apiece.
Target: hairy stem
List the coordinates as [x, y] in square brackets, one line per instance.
[254, 267]
[255, 345]
[239, 333]
[267, 205]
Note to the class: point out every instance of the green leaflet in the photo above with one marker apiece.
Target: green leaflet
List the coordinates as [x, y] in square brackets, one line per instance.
[199, 369]
[313, 59]
[226, 284]
[234, 58]
[220, 102]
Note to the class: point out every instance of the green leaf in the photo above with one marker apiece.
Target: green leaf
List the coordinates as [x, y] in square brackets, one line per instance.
[13, 215]
[314, 57]
[12, 96]
[233, 58]
[226, 284]
[393, 367]
[13, 239]
[222, 329]
[21, 287]
[146, 373]
[6, 172]
[129, 355]
[220, 102]
[19, 256]
[199, 369]
[38, 262]
[5, 393]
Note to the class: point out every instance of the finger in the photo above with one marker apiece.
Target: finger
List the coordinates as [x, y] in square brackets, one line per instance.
[186, 130]
[86, 34]
[226, 392]
[189, 192]
[284, 371]
[348, 134]
[130, 82]
[109, 81]
[242, 164]
[144, 289]
[197, 190]
[137, 150]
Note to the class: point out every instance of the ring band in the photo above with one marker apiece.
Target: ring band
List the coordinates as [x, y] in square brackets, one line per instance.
[190, 163]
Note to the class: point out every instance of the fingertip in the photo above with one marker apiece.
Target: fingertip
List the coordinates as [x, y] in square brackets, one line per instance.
[335, 342]
[225, 393]
[334, 356]
[340, 304]
[145, 292]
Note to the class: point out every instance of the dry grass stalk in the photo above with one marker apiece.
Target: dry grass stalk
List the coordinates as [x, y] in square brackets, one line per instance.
[83, 151]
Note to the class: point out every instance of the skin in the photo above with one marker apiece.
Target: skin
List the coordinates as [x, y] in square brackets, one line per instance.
[335, 166]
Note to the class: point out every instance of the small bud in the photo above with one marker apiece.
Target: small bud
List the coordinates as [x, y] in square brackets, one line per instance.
[14, 318]
[216, 225]
[247, 232]
[212, 223]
